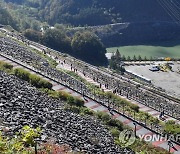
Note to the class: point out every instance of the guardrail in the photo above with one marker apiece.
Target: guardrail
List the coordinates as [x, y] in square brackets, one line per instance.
[162, 94]
[152, 127]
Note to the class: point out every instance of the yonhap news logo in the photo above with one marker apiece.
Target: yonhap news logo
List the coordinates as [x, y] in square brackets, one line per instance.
[127, 137]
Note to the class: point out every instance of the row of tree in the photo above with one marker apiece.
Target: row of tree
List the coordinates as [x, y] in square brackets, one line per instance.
[85, 45]
[117, 61]
[118, 57]
[136, 58]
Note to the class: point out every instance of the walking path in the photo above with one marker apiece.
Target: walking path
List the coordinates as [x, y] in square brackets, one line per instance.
[142, 107]
[140, 130]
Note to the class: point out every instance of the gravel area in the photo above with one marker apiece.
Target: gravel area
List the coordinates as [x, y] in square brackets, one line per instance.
[170, 81]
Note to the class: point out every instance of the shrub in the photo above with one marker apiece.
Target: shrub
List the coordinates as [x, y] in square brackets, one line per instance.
[170, 122]
[22, 74]
[22, 143]
[70, 100]
[75, 101]
[115, 132]
[39, 82]
[45, 84]
[63, 95]
[115, 123]
[122, 101]
[106, 117]
[103, 116]
[87, 111]
[50, 147]
[75, 109]
[51, 93]
[171, 127]
[134, 107]
[78, 102]
[7, 66]
[35, 80]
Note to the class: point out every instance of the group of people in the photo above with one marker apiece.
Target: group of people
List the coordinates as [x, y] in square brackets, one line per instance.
[125, 88]
[105, 80]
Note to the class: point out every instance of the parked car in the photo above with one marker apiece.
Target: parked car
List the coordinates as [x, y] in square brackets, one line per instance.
[154, 68]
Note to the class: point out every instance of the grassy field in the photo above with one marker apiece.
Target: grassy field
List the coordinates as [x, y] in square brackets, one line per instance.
[148, 51]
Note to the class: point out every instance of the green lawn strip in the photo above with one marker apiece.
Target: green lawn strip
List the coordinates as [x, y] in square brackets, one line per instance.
[6, 67]
[23, 74]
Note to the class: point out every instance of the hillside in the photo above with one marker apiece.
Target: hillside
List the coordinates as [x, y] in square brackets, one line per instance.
[97, 12]
[6, 18]
[145, 21]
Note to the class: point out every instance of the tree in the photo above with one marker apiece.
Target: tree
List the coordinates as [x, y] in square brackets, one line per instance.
[145, 58]
[151, 58]
[117, 57]
[59, 26]
[35, 25]
[123, 58]
[112, 64]
[134, 58]
[24, 24]
[33, 35]
[116, 62]
[139, 58]
[128, 58]
[87, 46]
[57, 39]
[6, 18]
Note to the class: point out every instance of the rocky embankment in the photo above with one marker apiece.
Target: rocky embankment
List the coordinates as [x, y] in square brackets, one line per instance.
[22, 104]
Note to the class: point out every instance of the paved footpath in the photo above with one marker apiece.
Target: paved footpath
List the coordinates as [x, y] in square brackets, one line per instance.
[142, 107]
[97, 107]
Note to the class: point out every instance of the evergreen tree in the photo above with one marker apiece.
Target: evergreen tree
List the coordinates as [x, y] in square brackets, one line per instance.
[139, 58]
[134, 58]
[118, 55]
[128, 58]
[123, 58]
[145, 58]
[151, 59]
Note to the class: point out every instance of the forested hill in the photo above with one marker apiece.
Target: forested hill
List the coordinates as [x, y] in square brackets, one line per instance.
[6, 18]
[99, 12]
[143, 21]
